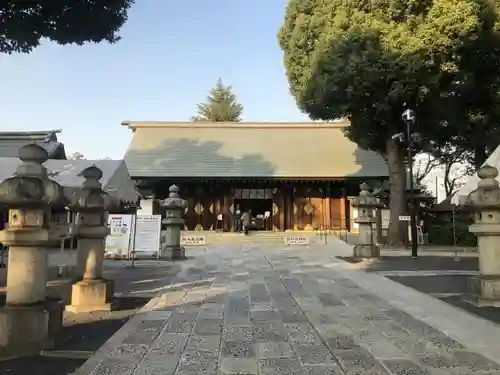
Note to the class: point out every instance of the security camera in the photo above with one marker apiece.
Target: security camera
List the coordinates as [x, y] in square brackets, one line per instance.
[399, 136]
[408, 115]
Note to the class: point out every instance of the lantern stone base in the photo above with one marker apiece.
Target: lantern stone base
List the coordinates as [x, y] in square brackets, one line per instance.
[24, 330]
[173, 253]
[483, 291]
[366, 251]
[91, 295]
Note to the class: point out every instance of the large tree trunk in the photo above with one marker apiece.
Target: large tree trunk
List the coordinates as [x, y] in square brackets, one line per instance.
[479, 154]
[397, 203]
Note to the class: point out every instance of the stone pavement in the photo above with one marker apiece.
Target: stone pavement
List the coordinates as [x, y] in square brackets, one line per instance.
[294, 310]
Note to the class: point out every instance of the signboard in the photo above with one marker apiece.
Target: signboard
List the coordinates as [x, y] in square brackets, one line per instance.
[193, 240]
[297, 240]
[386, 218]
[147, 234]
[404, 218]
[118, 240]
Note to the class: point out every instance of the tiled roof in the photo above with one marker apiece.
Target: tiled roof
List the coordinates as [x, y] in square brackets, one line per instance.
[115, 180]
[461, 195]
[11, 142]
[268, 150]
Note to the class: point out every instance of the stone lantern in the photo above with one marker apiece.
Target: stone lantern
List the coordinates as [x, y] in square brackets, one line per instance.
[25, 320]
[366, 203]
[484, 202]
[174, 210]
[91, 292]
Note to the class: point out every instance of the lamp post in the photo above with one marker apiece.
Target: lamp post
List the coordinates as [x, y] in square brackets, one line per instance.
[409, 118]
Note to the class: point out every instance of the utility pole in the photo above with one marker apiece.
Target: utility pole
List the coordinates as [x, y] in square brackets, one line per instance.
[409, 119]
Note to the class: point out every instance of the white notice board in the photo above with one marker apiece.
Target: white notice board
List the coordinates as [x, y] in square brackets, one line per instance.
[121, 231]
[147, 234]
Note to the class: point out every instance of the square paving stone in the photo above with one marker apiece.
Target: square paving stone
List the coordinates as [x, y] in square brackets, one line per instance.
[168, 344]
[390, 329]
[142, 336]
[264, 315]
[355, 359]
[164, 366]
[292, 316]
[210, 344]
[181, 322]
[238, 349]
[328, 330]
[269, 331]
[258, 292]
[341, 342]
[115, 367]
[436, 361]
[237, 319]
[303, 333]
[276, 349]
[128, 351]
[267, 305]
[208, 327]
[240, 366]
[405, 367]
[212, 313]
[412, 346]
[330, 369]
[313, 354]
[372, 315]
[377, 301]
[328, 299]
[320, 317]
[198, 361]
[156, 315]
[444, 342]
[293, 285]
[279, 366]
[384, 349]
[474, 362]
[238, 333]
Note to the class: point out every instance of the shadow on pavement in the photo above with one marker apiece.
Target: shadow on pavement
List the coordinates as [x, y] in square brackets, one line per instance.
[80, 333]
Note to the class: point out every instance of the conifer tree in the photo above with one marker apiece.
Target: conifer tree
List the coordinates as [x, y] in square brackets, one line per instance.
[220, 106]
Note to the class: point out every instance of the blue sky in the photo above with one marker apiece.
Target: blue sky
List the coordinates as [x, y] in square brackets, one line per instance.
[171, 55]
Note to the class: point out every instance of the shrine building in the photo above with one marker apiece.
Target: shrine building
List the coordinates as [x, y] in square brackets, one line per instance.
[292, 176]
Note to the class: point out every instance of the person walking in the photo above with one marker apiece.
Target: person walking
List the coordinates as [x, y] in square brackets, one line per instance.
[237, 219]
[246, 219]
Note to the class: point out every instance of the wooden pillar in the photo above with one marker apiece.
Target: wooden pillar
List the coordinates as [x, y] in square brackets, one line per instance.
[278, 212]
[288, 209]
[282, 212]
[328, 213]
[226, 211]
[343, 213]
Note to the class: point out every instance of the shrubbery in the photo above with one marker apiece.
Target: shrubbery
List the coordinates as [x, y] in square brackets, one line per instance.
[440, 230]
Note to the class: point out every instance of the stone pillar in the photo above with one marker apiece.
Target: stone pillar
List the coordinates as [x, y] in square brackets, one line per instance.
[484, 202]
[26, 319]
[91, 292]
[366, 203]
[174, 210]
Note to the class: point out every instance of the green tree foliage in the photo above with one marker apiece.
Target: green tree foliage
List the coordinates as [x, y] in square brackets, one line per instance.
[24, 24]
[220, 106]
[365, 60]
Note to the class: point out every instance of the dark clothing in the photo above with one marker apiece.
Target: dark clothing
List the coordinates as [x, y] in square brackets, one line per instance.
[246, 218]
[237, 224]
